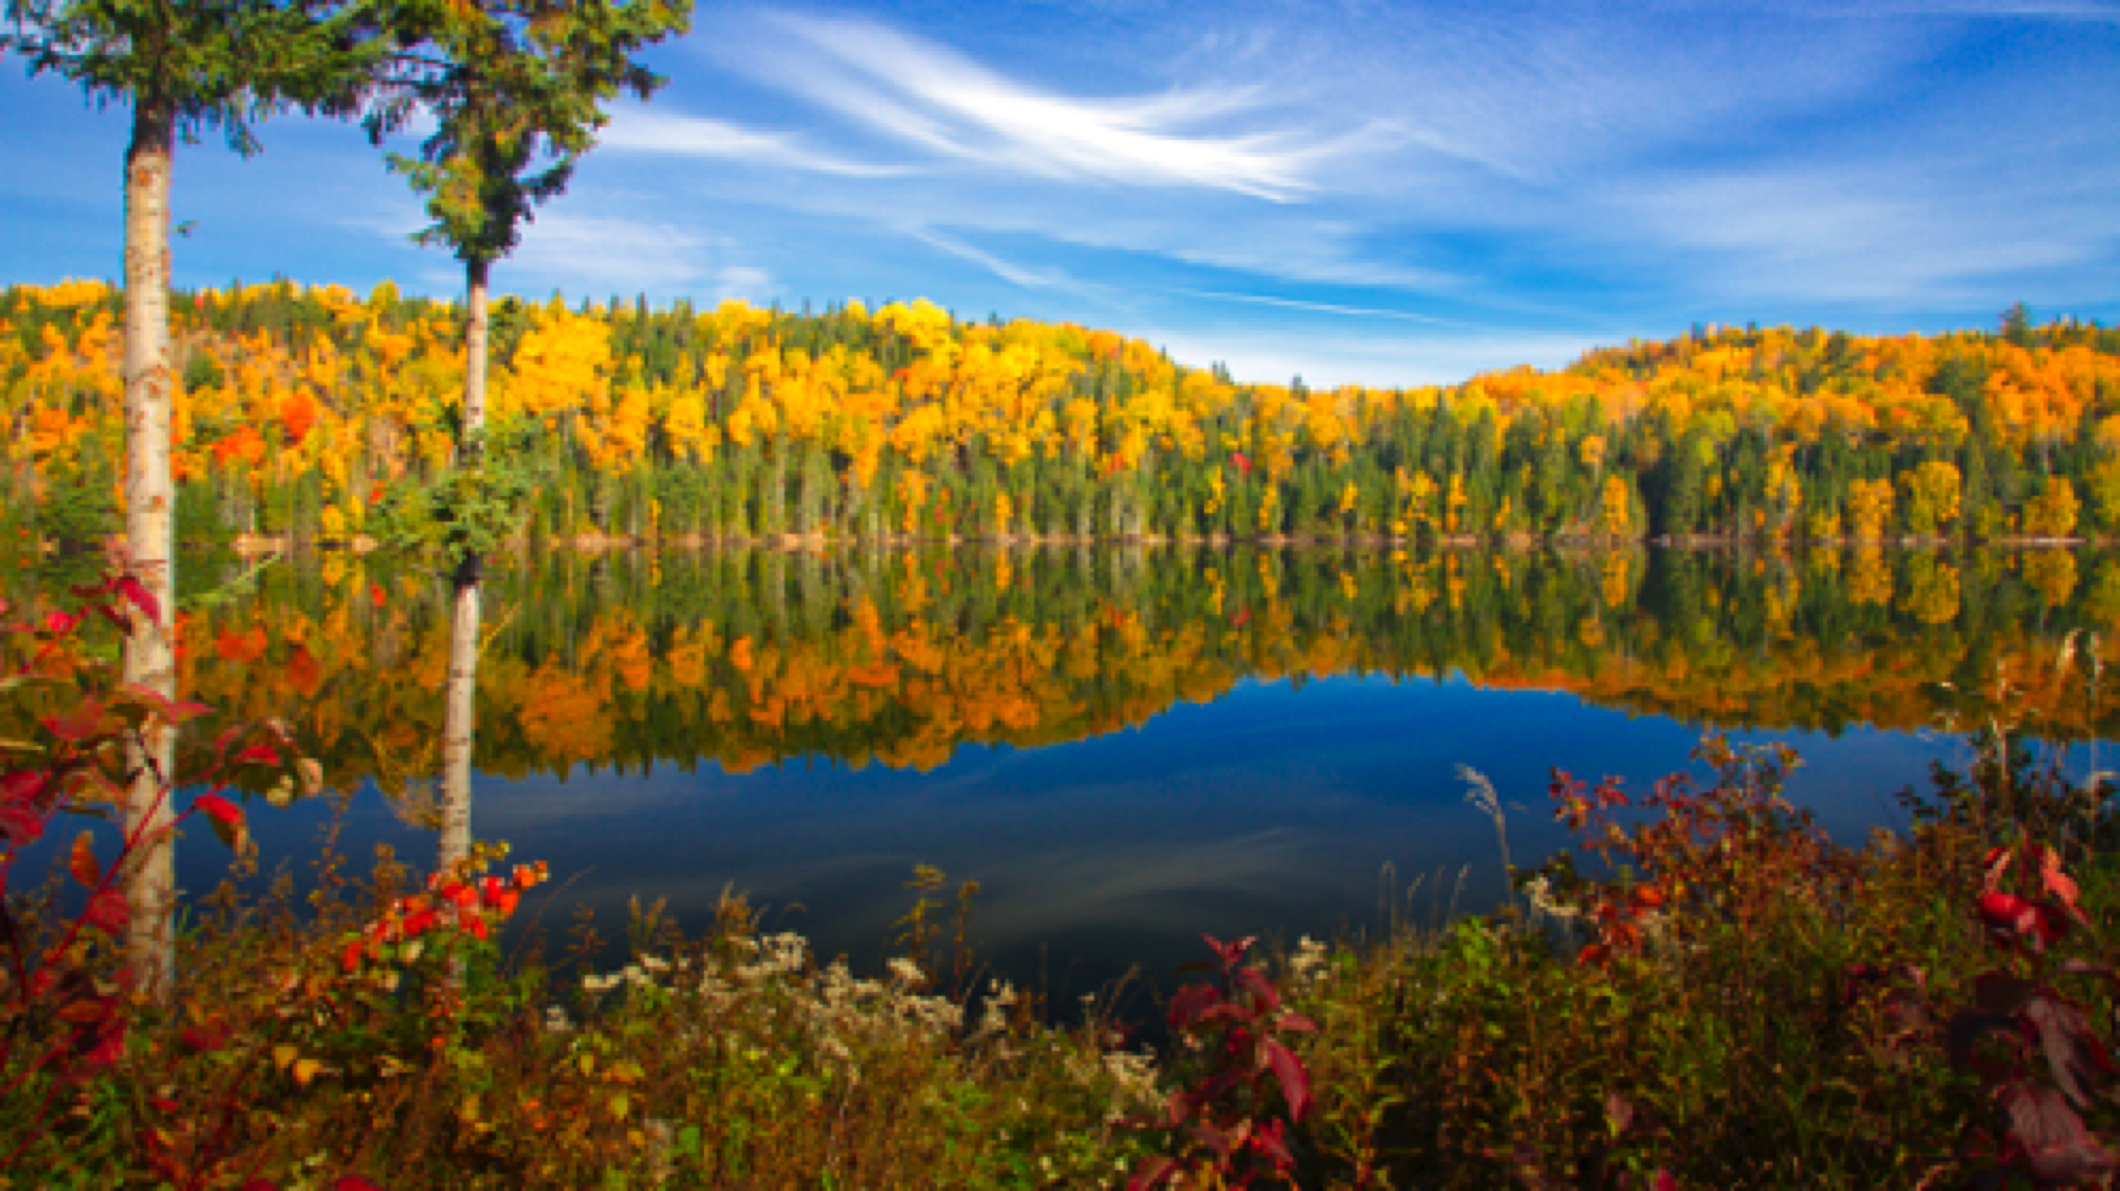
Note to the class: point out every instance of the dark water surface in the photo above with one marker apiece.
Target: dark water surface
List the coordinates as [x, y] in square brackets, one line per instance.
[1125, 748]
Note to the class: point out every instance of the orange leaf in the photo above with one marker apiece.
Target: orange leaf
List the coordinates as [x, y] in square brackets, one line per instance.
[83, 864]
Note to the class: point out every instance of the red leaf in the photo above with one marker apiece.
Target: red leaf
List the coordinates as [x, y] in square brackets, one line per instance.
[102, 1044]
[60, 623]
[20, 825]
[1295, 1081]
[212, 1036]
[79, 724]
[1271, 1139]
[1231, 954]
[1191, 1002]
[1153, 1172]
[354, 1182]
[107, 912]
[171, 711]
[1260, 987]
[2008, 914]
[1997, 863]
[136, 592]
[222, 810]
[258, 754]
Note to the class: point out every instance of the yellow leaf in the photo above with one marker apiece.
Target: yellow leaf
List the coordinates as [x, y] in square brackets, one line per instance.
[306, 1070]
[283, 1054]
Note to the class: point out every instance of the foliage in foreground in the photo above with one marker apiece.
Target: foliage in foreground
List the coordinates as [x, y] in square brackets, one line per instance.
[1739, 1002]
[1745, 1003]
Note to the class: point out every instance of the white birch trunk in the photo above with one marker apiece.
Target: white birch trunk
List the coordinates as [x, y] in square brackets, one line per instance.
[460, 706]
[459, 721]
[150, 509]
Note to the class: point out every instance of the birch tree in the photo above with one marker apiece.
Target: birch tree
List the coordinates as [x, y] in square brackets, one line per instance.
[183, 67]
[517, 91]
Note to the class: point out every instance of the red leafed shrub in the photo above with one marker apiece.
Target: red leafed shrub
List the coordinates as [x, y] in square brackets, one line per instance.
[2027, 1040]
[1230, 1117]
[67, 1008]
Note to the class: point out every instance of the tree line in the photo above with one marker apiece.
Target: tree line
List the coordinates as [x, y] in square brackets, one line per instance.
[304, 412]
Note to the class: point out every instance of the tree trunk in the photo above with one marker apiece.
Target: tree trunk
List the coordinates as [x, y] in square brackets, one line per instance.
[150, 507]
[459, 718]
[460, 699]
[475, 272]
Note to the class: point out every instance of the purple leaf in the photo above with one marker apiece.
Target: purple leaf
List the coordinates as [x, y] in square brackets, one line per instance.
[2077, 1058]
[2057, 1146]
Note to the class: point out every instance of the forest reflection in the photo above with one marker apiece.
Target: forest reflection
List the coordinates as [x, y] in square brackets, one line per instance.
[749, 658]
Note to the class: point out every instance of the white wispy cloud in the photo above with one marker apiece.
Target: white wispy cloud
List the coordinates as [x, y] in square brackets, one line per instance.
[940, 101]
[641, 131]
[591, 254]
[1012, 273]
[1323, 307]
[1790, 235]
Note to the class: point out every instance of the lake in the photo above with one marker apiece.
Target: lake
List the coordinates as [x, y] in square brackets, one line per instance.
[1125, 746]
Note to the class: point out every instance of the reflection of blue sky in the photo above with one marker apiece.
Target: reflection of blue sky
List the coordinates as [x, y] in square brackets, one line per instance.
[1271, 811]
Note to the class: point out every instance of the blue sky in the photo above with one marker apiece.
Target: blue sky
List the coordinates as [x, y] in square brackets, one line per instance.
[1382, 193]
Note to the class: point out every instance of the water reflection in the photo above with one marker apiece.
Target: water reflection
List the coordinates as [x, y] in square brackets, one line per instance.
[747, 659]
[1125, 746]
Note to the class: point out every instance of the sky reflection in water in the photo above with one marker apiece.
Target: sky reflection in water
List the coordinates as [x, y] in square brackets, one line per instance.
[1274, 810]
[1232, 754]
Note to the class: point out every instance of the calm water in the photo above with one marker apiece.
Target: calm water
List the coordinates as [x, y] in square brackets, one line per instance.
[1125, 748]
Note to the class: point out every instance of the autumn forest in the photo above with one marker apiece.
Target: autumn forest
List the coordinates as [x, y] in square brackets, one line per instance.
[302, 410]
